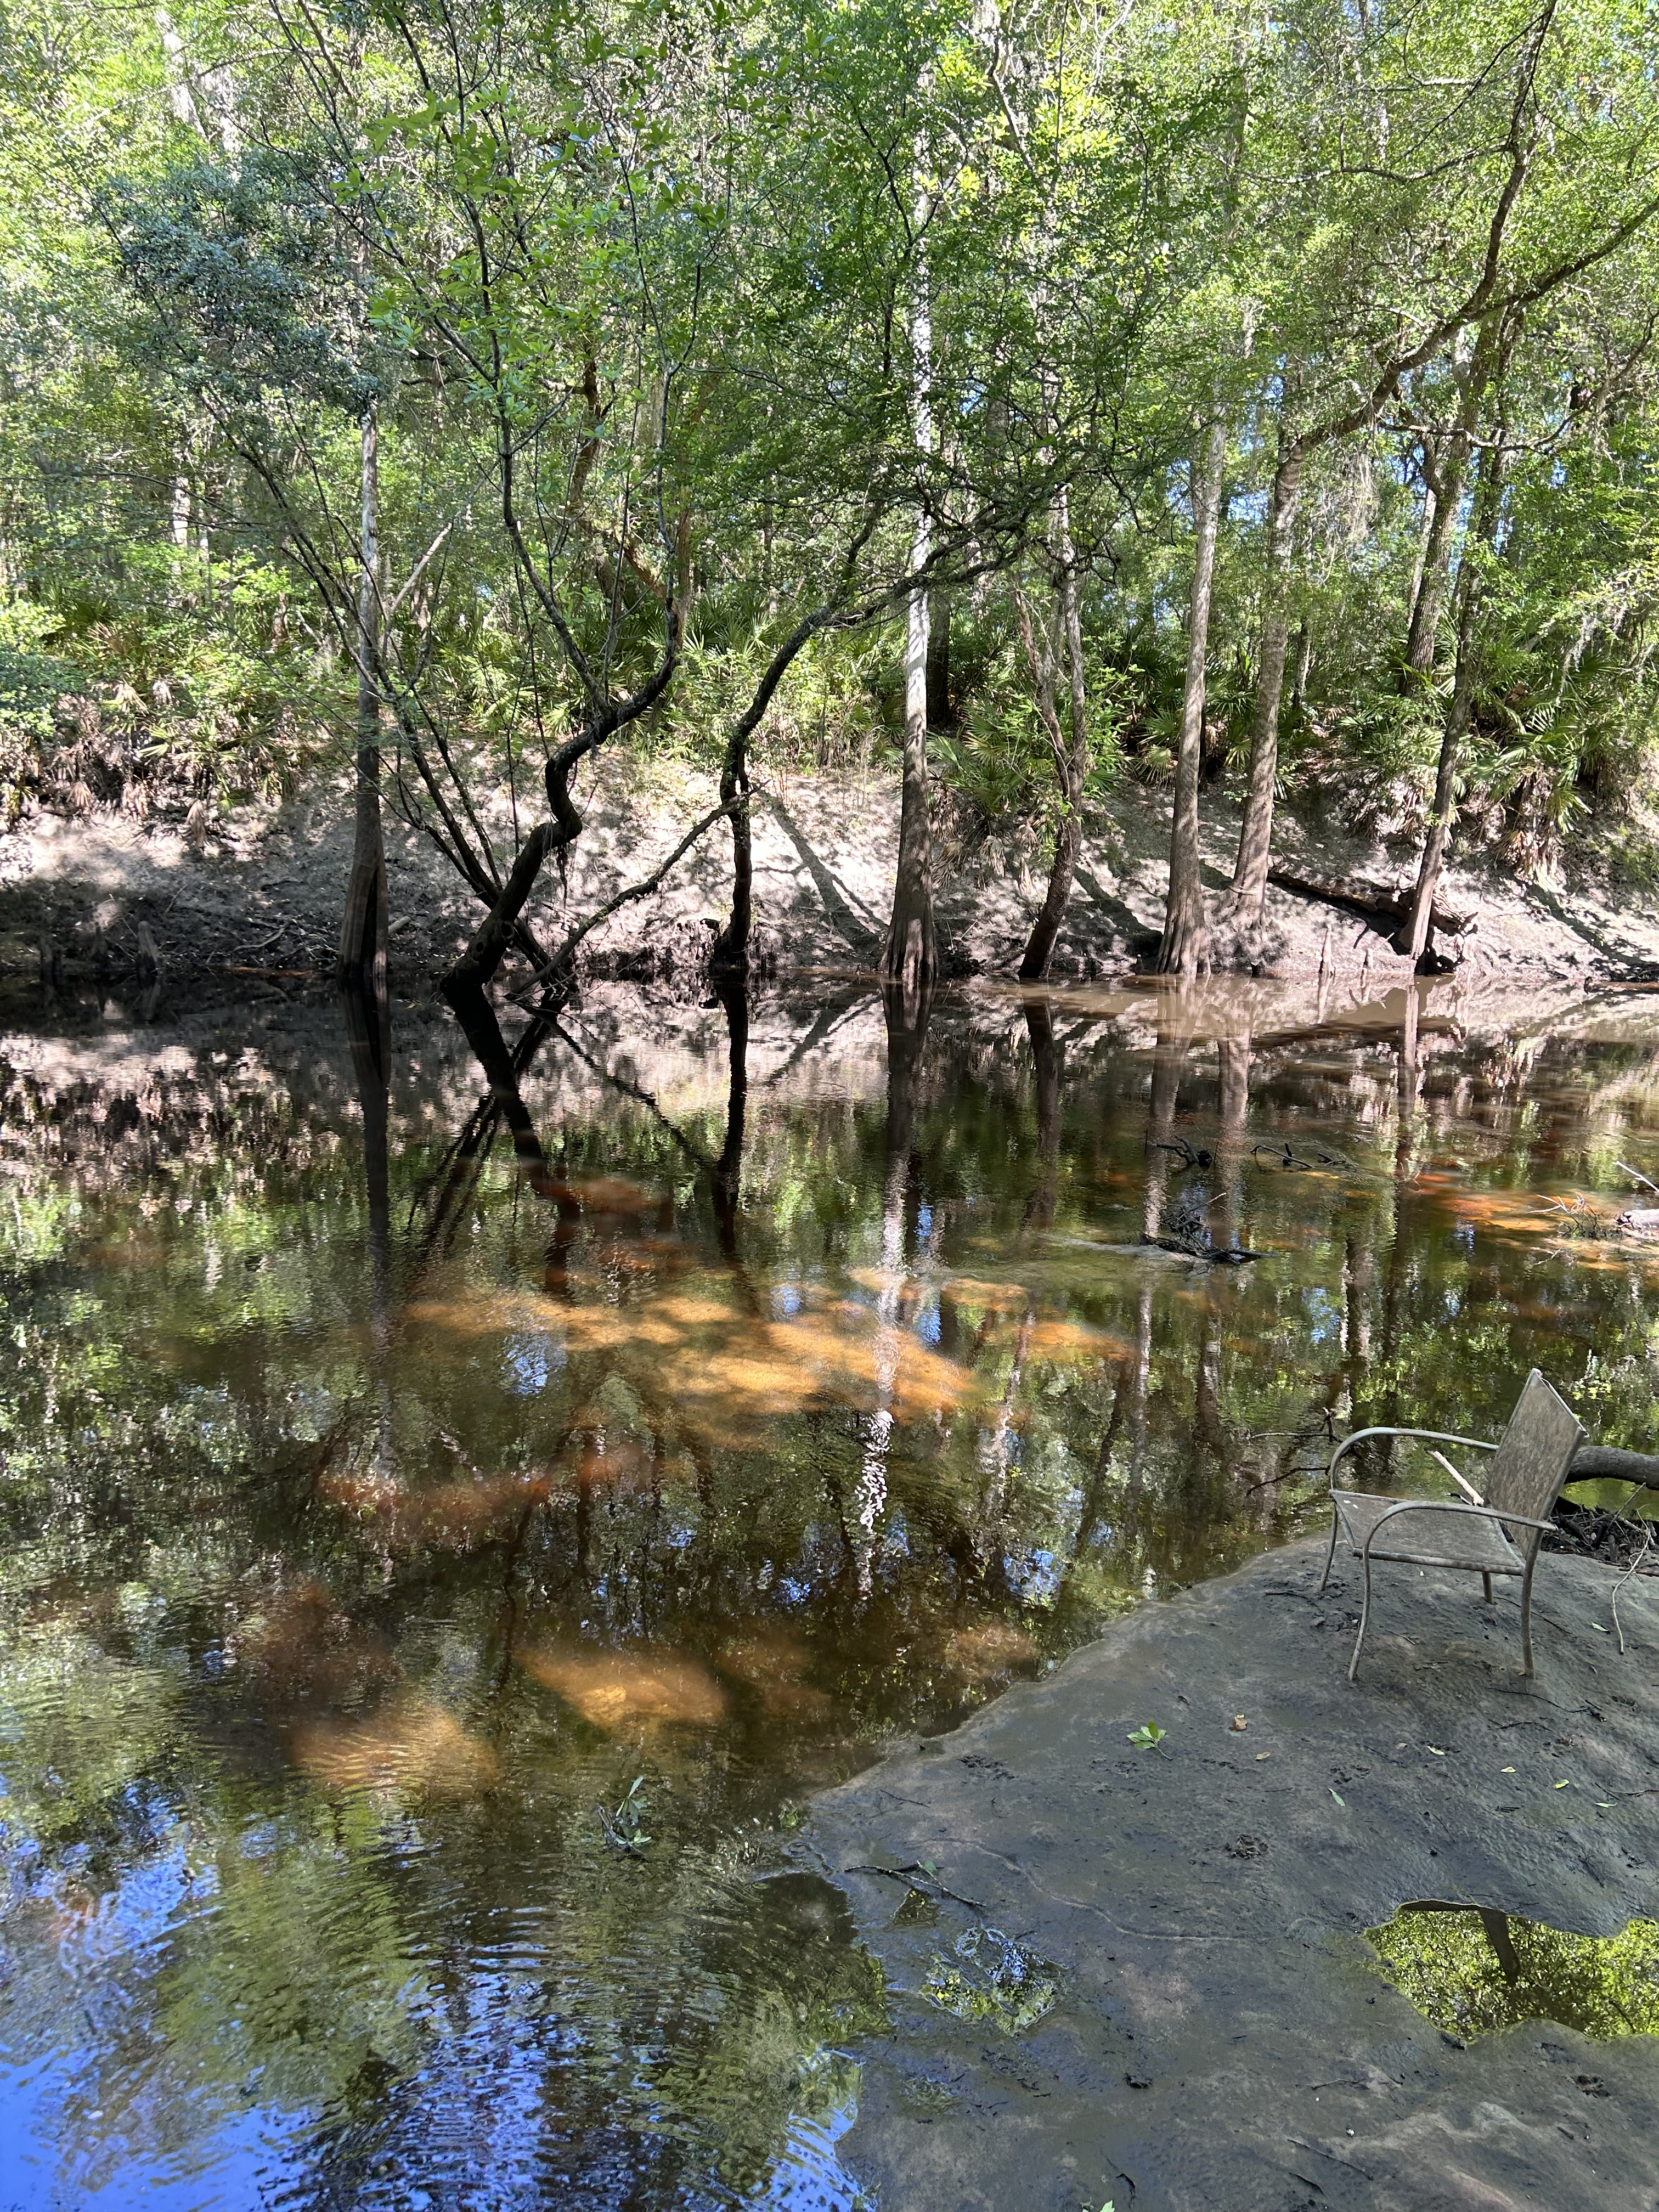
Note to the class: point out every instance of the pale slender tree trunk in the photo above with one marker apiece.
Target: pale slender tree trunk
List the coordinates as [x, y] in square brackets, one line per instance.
[180, 520]
[1185, 947]
[912, 952]
[910, 959]
[1416, 938]
[1072, 766]
[1255, 835]
[363, 933]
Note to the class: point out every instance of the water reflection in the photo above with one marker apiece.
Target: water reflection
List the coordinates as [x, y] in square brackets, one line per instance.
[1473, 1971]
[406, 1457]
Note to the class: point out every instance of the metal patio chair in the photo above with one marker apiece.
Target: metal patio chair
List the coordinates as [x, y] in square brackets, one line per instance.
[1485, 1537]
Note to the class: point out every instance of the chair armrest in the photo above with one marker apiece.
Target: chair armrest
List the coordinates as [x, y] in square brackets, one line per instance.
[1430, 1435]
[1449, 1505]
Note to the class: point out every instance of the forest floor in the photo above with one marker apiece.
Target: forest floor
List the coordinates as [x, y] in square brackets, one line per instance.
[1217, 2031]
[261, 897]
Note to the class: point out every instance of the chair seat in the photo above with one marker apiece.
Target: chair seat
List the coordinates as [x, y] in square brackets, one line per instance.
[1424, 1537]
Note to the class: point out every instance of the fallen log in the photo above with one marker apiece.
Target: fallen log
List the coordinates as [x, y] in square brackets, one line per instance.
[1377, 902]
[1591, 1463]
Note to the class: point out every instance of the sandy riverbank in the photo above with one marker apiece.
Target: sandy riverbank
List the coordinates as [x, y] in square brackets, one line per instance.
[264, 892]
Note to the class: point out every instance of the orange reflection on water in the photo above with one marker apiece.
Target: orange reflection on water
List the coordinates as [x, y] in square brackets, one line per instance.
[643, 1684]
[606, 1194]
[985, 1297]
[1062, 1342]
[987, 1649]
[419, 1748]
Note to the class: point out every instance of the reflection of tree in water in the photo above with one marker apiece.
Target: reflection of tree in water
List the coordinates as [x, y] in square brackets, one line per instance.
[387, 1606]
[1473, 1972]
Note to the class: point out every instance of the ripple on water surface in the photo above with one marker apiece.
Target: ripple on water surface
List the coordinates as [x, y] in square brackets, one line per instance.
[430, 1591]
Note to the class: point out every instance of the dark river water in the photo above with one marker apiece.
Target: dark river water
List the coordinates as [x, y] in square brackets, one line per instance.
[448, 1541]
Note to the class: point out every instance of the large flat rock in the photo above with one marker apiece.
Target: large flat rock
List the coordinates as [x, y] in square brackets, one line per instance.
[1223, 2039]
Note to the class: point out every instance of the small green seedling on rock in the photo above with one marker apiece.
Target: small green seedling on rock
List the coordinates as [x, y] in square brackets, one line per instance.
[1148, 1736]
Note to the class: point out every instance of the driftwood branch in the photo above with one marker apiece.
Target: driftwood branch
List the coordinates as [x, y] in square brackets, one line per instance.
[1375, 901]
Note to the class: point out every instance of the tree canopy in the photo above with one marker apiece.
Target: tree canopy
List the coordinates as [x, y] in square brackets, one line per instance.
[1201, 395]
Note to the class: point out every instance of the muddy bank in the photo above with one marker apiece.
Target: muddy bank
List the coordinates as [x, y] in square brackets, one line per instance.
[1223, 2036]
[256, 902]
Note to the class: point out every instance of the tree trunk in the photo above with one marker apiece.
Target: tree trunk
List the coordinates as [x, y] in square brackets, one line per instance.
[1447, 488]
[1417, 934]
[729, 954]
[1424, 632]
[1072, 766]
[1304, 664]
[1185, 948]
[730, 951]
[1420, 557]
[1249, 886]
[911, 958]
[364, 930]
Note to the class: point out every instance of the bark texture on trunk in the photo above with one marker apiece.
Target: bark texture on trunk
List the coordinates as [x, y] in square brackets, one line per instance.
[1423, 635]
[1417, 937]
[1185, 947]
[1070, 766]
[911, 958]
[1249, 885]
[1447, 481]
[363, 928]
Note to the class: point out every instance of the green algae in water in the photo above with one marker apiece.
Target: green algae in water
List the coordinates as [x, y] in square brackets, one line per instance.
[991, 1981]
[1473, 1973]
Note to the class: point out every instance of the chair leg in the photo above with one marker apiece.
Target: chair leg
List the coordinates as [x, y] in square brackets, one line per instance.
[1364, 1616]
[1526, 1618]
[1486, 1586]
[1331, 1554]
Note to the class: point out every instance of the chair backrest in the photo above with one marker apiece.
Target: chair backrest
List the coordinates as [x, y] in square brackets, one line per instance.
[1526, 1472]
